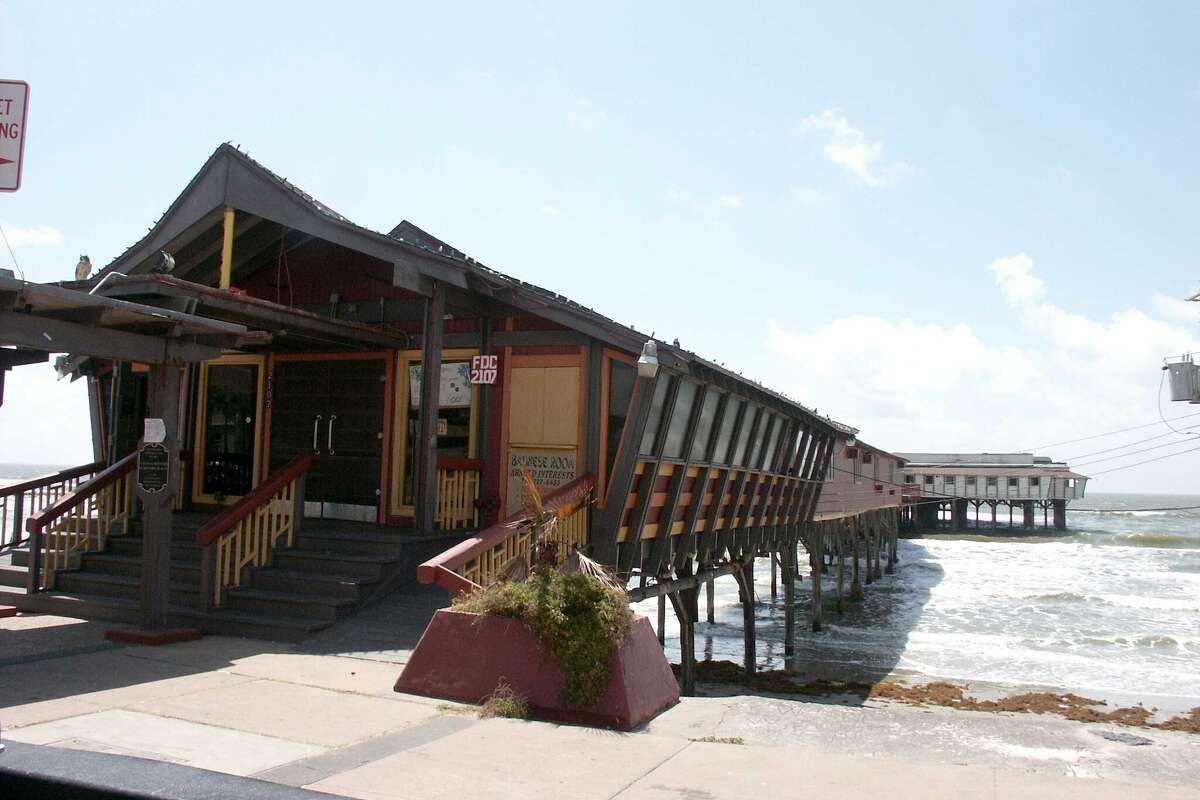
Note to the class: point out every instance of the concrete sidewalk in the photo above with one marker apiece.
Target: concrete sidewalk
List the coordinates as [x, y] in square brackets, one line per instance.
[313, 716]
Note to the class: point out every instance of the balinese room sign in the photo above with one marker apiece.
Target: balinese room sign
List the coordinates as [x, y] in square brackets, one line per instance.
[549, 468]
[484, 369]
[14, 100]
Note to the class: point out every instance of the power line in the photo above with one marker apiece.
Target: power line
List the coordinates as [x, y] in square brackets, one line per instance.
[1147, 461]
[11, 254]
[1110, 433]
[1129, 444]
[1130, 453]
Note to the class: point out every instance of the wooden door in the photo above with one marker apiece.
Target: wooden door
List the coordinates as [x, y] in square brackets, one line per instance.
[543, 428]
[334, 410]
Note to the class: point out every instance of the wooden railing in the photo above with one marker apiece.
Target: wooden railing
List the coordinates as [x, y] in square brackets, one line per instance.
[245, 535]
[29, 497]
[78, 522]
[476, 562]
[458, 481]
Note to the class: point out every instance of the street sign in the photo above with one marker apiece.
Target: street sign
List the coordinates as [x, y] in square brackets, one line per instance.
[14, 102]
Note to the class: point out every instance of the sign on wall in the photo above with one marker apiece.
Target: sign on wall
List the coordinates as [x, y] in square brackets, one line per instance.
[153, 468]
[549, 469]
[455, 389]
[484, 369]
[14, 101]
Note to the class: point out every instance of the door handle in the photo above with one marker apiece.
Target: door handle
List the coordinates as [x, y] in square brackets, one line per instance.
[316, 424]
[329, 441]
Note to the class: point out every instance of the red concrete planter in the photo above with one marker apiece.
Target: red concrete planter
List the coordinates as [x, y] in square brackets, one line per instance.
[464, 657]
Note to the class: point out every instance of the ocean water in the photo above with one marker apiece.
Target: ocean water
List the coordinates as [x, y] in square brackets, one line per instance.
[1111, 606]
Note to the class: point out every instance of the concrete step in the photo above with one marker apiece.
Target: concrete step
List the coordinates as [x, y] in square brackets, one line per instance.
[351, 541]
[286, 580]
[228, 622]
[98, 584]
[370, 568]
[13, 576]
[131, 565]
[287, 605]
[186, 552]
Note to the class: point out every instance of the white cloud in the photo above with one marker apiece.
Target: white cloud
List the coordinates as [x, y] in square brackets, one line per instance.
[43, 236]
[584, 116]
[550, 211]
[941, 386]
[1177, 309]
[731, 201]
[849, 148]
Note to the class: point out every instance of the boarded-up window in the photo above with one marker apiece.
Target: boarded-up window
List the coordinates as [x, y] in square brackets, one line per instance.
[656, 413]
[677, 429]
[743, 440]
[725, 435]
[704, 425]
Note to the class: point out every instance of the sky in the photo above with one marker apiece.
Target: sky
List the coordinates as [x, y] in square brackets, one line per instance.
[967, 231]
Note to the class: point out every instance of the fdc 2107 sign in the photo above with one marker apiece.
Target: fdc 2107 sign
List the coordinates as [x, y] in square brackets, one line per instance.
[14, 102]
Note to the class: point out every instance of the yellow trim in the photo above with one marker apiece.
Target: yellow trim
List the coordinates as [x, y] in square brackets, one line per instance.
[400, 417]
[202, 419]
[227, 250]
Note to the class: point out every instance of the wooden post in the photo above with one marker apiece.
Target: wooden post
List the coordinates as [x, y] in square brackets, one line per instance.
[841, 561]
[226, 278]
[685, 612]
[892, 534]
[879, 533]
[662, 620]
[158, 507]
[774, 571]
[816, 544]
[789, 600]
[856, 591]
[745, 579]
[431, 379]
[868, 549]
[709, 590]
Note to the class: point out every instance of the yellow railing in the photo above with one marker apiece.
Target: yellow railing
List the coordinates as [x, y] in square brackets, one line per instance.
[478, 561]
[458, 483]
[22, 500]
[245, 535]
[80, 521]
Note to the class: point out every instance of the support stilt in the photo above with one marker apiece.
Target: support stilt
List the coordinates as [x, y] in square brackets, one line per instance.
[685, 612]
[662, 620]
[774, 571]
[856, 591]
[745, 579]
[788, 554]
[708, 590]
[815, 546]
[841, 563]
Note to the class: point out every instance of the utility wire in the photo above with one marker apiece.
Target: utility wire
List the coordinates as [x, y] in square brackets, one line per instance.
[1129, 444]
[1147, 461]
[13, 255]
[1130, 453]
[1110, 433]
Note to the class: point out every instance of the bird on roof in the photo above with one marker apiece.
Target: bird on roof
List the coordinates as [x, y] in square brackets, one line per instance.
[83, 269]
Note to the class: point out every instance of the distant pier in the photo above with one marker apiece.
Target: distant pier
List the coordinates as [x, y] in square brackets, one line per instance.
[943, 486]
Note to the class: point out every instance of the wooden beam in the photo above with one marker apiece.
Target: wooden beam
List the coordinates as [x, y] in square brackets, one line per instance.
[158, 507]
[688, 541]
[621, 480]
[59, 336]
[666, 517]
[431, 380]
[227, 249]
[645, 492]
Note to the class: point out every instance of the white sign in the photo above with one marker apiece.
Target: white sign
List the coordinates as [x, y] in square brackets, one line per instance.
[14, 101]
[455, 389]
[484, 369]
[154, 431]
[548, 468]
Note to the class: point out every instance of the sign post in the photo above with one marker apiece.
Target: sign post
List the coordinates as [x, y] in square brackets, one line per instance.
[14, 103]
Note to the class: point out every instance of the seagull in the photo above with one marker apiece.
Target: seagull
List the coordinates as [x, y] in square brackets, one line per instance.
[83, 269]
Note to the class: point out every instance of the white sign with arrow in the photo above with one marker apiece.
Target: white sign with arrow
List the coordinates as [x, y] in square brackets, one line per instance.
[14, 102]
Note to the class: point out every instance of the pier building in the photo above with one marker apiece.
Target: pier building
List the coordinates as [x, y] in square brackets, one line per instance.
[951, 483]
[293, 414]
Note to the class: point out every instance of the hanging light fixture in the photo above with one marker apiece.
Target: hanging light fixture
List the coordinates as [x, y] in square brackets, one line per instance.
[647, 363]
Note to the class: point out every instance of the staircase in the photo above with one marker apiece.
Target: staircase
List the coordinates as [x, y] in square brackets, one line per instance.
[333, 569]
